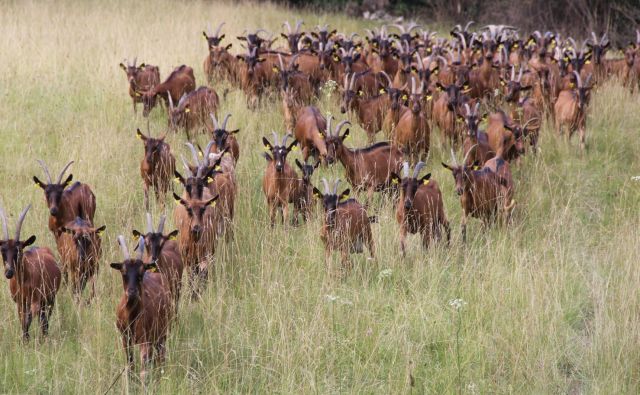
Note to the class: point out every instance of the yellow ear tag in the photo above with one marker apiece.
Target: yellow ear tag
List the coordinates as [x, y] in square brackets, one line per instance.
[502, 83]
[294, 148]
[360, 93]
[176, 179]
[187, 111]
[99, 233]
[172, 237]
[394, 180]
[218, 168]
[425, 182]
[275, 69]
[320, 135]
[428, 97]
[515, 45]
[587, 62]
[476, 167]
[209, 180]
[500, 46]
[213, 204]
[382, 91]
[153, 269]
[571, 85]
[136, 237]
[177, 201]
[138, 94]
[336, 59]
[138, 136]
[266, 148]
[404, 97]
[200, 154]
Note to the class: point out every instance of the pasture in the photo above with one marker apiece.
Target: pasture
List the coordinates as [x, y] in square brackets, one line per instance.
[547, 304]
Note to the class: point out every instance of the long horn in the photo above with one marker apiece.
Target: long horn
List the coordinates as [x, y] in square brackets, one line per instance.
[638, 37]
[578, 79]
[149, 223]
[335, 187]
[326, 186]
[226, 119]
[5, 230]
[214, 120]
[453, 158]
[467, 108]
[194, 153]
[520, 74]
[463, 41]
[64, 169]
[340, 126]
[170, 102]
[513, 73]
[386, 76]
[468, 153]
[187, 169]
[287, 25]
[419, 61]
[182, 98]
[413, 85]
[466, 27]
[417, 169]
[218, 29]
[405, 169]
[298, 25]
[46, 170]
[141, 248]
[161, 223]
[353, 80]
[595, 38]
[205, 161]
[275, 139]
[527, 123]
[281, 62]
[475, 110]
[123, 247]
[329, 129]
[284, 139]
[588, 80]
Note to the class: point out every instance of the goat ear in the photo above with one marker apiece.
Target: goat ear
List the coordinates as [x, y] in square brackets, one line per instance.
[140, 135]
[29, 241]
[317, 193]
[117, 266]
[476, 165]
[173, 235]
[39, 183]
[345, 194]
[299, 164]
[461, 118]
[240, 58]
[178, 177]
[395, 178]
[136, 234]
[151, 266]
[267, 156]
[439, 87]
[267, 144]
[425, 179]
[228, 47]
[293, 146]
[260, 60]
[284, 36]
[204, 34]
[484, 117]
[142, 66]
[345, 135]
[101, 229]
[446, 166]
[123, 67]
[68, 180]
[233, 131]
[315, 166]
[180, 200]
[212, 201]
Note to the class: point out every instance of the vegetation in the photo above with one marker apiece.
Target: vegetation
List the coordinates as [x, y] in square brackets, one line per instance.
[548, 304]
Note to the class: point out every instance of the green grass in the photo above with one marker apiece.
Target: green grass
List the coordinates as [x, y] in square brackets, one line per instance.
[552, 300]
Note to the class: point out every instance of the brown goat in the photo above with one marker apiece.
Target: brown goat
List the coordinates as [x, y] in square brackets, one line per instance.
[156, 168]
[219, 62]
[144, 313]
[412, 134]
[164, 251]
[180, 81]
[345, 226]
[446, 109]
[309, 131]
[280, 178]
[193, 110]
[475, 144]
[34, 277]
[571, 109]
[367, 168]
[223, 138]
[141, 78]
[485, 193]
[506, 138]
[302, 195]
[65, 204]
[80, 248]
[255, 76]
[420, 208]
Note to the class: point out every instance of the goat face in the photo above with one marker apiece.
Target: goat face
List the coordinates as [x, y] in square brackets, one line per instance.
[330, 203]
[489, 48]
[278, 153]
[132, 271]
[132, 72]
[453, 94]
[53, 193]
[154, 242]
[307, 170]
[471, 121]
[397, 97]
[84, 237]
[196, 210]
[149, 102]
[152, 147]
[408, 187]
[12, 251]
[461, 175]
[333, 145]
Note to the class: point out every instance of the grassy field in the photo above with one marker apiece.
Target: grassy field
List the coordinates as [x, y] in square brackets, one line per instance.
[550, 304]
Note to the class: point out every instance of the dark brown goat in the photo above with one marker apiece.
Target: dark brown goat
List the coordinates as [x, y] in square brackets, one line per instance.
[141, 78]
[144, 313]
[310, 131]
[80, 248]
[420, 208]
[219, 62]
[34, 277]
[65, 204]
[223, 138]
[180, 81]
[156, 168]
[193, 110]
[412, 135]
[302, 196]
[279, 181]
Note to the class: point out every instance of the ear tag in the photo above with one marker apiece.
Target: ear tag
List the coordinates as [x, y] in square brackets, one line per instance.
[336, 59]
[360, 93]
[502, 83]
[394, 180]
[153, 269]
[381, 91]
[428, 97]
[266, 148]
[186, 111]
[294, 148]
[587, 62]
[476, 167]
[515, 45]
[425, 182]
[176, 179]
[218, 168]
[209, 180]
[99, 233]
[320, 135]
[138, 94]
[213, 204]
[404, 97]
[571, 85]
[275, 69]
[177, 201]
[136, 237]
[500, 46]
[172, 237]
[138, 136]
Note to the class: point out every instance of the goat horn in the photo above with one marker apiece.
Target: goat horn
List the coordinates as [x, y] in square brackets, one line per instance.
[638, 36]
[281, 62]
[298, 25]
[466, 27]
[218, 29]
[287, 25]
[462, 40]
[205, 154]
[214, 120]
[135, 60]
[578, 79]
[527, 123]
[194, 153]
[413, 85]
[468, 152]
[170, 102]
[335, 187]
[513, 73]
[326, 186]
[353, 80]
[46, 170]
[405, 169]
[346, 81]
[284, 139]
[387, 78]
[467, 108]
[123, 247]
[453, 158]
[399, 27]
[261, 30]
[149, 223]
[340, 126]
[5, 230]
[224, 122]
[161, 223]
[329, 120]
[520, 74]
[419, 61]
[475, 110]
[595, 38]
[417, 169]
[187, 169]
[141, 248]
[275, 139]
[64, 169]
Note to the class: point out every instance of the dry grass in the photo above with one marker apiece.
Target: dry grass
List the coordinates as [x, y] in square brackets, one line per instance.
[552, 300]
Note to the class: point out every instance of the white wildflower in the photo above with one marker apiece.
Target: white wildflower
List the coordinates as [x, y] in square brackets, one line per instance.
[635, 178]
[457, 303]
[331, 298]
[385, 273]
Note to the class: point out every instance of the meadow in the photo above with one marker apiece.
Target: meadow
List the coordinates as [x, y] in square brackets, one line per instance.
[548, 304]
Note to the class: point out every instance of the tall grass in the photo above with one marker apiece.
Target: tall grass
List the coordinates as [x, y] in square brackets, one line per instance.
[551, 301]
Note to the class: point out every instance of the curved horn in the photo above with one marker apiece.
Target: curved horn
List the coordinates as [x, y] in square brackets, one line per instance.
[326, 186]
[218, 29]
[224, 122]
[419, 61]
[413, 85]
[578, 79]
[524, 127]
[161, 223]
[170, 102]
[149, 223]
[475, 110]
[287, 25]
[140, 248]
[281, 62]
[520, 73]
[463, 41]
[194, 153]
[123, 247]
[335, 187]
[64, 169]
[417, 169]
[405, 169]
[214, 120]
[275, 139]
[468, 153]
[340, 126]
[187, 169]
[285, 138]
[513, 73]
[205, 161]
[298, 25]
[353, 80]
[386, 76]
[5, 230]
[182, 98]
[453, 158]
[466, 27]
[46, 170]
[329, 120]
[467, 108]
[595, 38]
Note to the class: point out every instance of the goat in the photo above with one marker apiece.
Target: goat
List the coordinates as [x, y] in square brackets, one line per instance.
[295, 86]
[571, 111]
[345, 226]
[80, 248]
[163, 250]
[483, 193]
[180, 81]
[505, 137]
[223, 138]
[219, 60]
[157, 166]
[294, 35]
[144, 312]
[367, 168]
[309, 131]
[193, 109]
[141, 78]
[254, 77]
[302, 195]
[413, 133]
[34, 277]
[65, 204]
[420, 208]
[446, 109]
[279, 178]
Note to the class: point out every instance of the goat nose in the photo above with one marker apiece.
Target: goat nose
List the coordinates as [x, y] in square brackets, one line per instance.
[330, 160]
[8, 273]
[407, 205]
[196, 229]
[342, 110]
[53, 211]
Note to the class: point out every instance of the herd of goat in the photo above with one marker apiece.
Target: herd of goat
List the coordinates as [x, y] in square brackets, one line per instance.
[402, 84]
